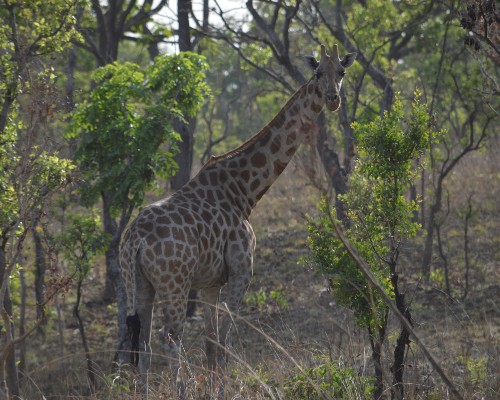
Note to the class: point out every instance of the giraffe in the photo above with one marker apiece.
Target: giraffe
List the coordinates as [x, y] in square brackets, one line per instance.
[201, 238]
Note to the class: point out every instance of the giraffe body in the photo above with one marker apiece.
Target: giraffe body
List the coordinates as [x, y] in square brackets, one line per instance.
[200, 237]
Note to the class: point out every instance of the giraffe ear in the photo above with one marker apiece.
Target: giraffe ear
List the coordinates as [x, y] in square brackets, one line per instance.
[312, 62]
[348, 59]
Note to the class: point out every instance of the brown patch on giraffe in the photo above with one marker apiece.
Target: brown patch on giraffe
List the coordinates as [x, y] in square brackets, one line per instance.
[157, 210]
[149, 255]
[176, 218]
[223, 176]
[210, 196]
[206, 215]
[258, 160]
[220, 195]
[264, 140]
[225, 206]
[291, 138]
[254, 185]
[220, 220]
[245, 175]
[203, 179]
[163, 220]
[316, 107]
[294, 110]
[232, 236]
[243, 162]
[232, 165]
[168, 249]
[318, 92]
[310, 89]
[279, 166]
[276, 145]
[212, 177]
[200, 193]
[188, 219]
[178, 234]
[278, 121]
[216, 230]
[290, 123]
[163, 231]
[261, 193]
[191, 239]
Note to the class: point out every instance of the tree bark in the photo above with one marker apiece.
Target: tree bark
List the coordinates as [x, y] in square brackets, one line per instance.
[41, 266]
[429, 232]
[376, 341]
[81, 327]
[9, 382]
[115, 289]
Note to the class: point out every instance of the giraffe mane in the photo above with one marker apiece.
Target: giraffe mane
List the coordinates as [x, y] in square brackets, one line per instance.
[215, 159]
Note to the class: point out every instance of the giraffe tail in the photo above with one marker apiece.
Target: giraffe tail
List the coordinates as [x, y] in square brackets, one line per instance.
[134, 328]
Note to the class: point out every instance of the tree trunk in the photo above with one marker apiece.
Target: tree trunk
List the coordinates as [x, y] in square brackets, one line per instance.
[76, 311]
[397, 369]
[22, 324]
[9, 383]
[429, 238]
[114, 288]
[376, 341]
[41, 266]
[184, 158]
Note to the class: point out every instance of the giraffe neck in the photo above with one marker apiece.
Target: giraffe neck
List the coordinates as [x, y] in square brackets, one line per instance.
[247, 172]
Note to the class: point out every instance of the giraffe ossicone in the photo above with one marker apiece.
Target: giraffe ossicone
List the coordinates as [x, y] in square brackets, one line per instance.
[200, 237]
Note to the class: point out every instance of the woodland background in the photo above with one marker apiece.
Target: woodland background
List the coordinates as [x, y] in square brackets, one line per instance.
[109, 105]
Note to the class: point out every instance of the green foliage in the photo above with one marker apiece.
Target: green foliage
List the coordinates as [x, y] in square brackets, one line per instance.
[28, 173]
[278, 295]
[26, 184]
[389, 148]
[380, 216]
[257, 299]
[127, 118]
[81, 240]
[260, 299]
[349, 286]
[328, 379]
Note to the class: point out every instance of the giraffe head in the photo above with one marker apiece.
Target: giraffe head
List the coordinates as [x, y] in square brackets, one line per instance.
[328, 72]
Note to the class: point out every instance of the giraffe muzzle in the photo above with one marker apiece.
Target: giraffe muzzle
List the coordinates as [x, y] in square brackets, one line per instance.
[332, 101]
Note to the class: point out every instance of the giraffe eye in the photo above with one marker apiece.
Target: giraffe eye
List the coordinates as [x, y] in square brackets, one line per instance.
[342, 73]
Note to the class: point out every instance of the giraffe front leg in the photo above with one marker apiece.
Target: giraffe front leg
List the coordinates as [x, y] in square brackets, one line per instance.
[212, 346]
[219, 318]
[174, 317]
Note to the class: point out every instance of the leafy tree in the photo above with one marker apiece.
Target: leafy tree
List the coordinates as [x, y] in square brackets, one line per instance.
[121, 129]
[30, 168]
[381, 219]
